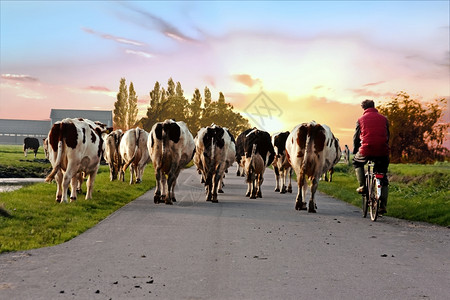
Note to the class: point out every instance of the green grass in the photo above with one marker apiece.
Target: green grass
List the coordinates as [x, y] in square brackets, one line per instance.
[31, 218]
[416, 192]
[13, 163]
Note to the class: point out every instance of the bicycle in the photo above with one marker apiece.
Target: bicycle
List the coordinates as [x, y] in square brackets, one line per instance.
[372, 193]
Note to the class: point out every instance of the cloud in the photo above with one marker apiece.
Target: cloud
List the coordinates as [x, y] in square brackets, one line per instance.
[374, 83]
[114, 38]
[19, 77]
[246, 79]
[165, 27]
[139, 53]
[368, 93]
[97, 88]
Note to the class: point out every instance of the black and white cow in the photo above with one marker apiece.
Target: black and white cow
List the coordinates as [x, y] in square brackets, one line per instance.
[30, 143]
[281, 165]
[213, 150]
[259, 154]
[171, 148]
[240, 152]
[75, 147]
[112, 154]
[134, 153]
[312, 150]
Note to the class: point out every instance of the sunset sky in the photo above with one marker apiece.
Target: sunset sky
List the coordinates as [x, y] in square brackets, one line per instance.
[279, 63]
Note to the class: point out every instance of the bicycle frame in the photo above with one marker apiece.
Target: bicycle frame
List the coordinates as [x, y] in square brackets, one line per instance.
[371, 198]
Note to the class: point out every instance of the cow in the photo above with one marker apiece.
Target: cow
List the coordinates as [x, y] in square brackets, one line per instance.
[259, 154]
[74, 147]
[213, 149]
[134, 153]
[231, 158]
[240, 141]
[30, 143]
[171, 148]
[112, 154]
[281, 165]
[312, 150]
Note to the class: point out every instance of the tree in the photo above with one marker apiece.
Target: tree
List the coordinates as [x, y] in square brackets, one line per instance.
[416, 131]
[120, 107]
[132, 107]
[195, 112]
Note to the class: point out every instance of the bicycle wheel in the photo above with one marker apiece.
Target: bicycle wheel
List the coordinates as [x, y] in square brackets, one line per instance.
[374, 202]
[365, 199]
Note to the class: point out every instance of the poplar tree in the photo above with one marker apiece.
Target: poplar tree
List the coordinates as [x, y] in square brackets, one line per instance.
[132, 107]
[120, 107]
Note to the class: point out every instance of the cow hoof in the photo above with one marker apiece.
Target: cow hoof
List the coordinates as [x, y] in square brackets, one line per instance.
[300, 206]
[156, 198]
[58, 200]
[215, 201]
[253, 197]
[259, 195]
[138, 181]
[289, 190]
[174, 200]
[247, 195]
[311, 210]
[283, 191]
[277, 190]
[168, 202]
[220, 191]
[238, 173]
[72, 199]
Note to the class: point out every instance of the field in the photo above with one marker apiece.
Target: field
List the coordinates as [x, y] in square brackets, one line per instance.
[30, 217]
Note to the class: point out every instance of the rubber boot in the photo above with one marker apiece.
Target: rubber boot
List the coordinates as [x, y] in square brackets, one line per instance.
[383, 199]
[361, 179]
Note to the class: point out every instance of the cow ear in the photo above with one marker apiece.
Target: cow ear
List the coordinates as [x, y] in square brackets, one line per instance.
[174, 132]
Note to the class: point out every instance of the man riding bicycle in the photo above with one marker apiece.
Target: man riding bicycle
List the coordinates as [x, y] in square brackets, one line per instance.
[371, 142]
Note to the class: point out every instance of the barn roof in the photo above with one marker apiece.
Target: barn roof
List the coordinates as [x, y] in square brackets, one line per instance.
[24, 127]
[104, 116]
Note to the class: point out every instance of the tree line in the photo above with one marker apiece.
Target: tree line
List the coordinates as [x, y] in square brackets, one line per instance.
[170, 103]
[417, 133]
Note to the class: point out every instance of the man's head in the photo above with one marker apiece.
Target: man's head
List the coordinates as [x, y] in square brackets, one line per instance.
[367, 104]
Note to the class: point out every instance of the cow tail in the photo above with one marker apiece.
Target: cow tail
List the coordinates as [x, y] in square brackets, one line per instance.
[138, 135]
[307, 157]
[59, 155]
[252, 164]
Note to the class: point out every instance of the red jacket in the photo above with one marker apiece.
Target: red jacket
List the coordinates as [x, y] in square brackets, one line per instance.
[372, 133]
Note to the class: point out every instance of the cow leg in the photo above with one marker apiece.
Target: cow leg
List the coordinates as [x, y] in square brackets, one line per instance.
[73, 188]
[289, 173]
[35, 152]
[283, 181]
[311, 204]
[25, 152]
[58, 179]
[90, 184]
[67, 178]
[170, 182]
[277, 178]
[249, 189]
[220, 188]
[217, 179]
[299, 203]
[157, 196]
[260, 181]
[253, 187]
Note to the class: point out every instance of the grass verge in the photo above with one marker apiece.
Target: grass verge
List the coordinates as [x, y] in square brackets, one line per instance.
[416, 192]
[31, 218]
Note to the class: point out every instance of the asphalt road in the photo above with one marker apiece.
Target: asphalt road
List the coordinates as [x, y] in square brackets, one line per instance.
[236, 249]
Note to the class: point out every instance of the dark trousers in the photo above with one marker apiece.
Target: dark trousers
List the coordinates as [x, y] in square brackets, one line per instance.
[381, 164]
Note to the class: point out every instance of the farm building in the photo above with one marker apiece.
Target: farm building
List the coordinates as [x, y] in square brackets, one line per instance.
[104, 116]
[13, 132]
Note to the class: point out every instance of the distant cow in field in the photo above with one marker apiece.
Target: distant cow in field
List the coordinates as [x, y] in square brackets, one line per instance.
[171, 148]
[134, 152]
[312, 150]
[259, 154]
[240, 153]
[112, 154]
[74, 147]
[213, 150]
[281, 165]
[30, 143]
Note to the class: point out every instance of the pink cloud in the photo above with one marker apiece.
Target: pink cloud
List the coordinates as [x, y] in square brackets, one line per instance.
[246, 79]
[19, 77]
[114, 38]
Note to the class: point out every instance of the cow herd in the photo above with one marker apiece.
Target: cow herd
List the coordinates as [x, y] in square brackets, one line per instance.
[75, 148]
